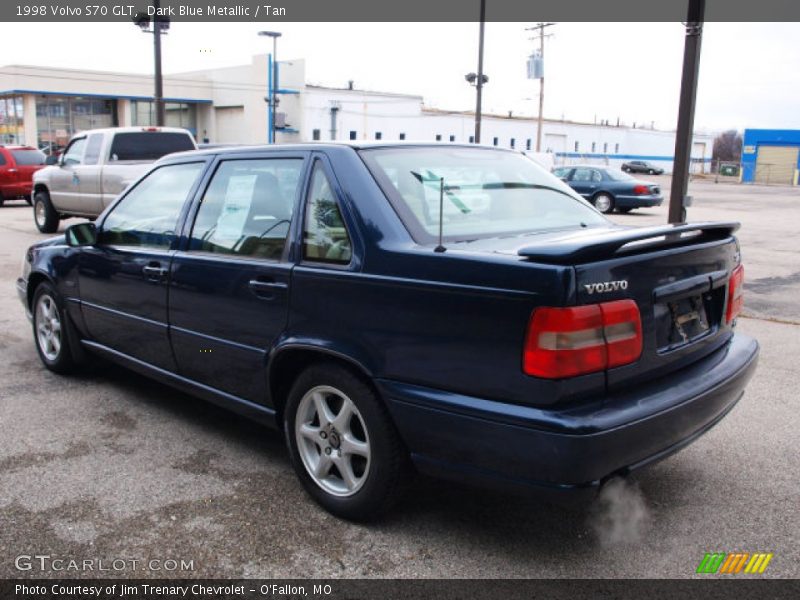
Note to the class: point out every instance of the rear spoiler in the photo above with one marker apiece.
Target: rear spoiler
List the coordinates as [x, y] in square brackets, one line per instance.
[588, 245]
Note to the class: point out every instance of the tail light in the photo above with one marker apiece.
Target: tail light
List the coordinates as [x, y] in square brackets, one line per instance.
[735, 295]
[564, 342]
[641, 189]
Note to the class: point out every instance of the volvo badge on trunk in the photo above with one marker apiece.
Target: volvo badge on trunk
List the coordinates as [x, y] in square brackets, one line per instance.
[606, 286]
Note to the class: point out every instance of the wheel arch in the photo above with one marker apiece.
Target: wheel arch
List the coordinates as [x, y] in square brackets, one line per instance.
[40, 187]
[287, 362]
[35, 279]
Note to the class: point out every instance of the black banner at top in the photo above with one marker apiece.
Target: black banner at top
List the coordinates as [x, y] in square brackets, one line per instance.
[264, 11]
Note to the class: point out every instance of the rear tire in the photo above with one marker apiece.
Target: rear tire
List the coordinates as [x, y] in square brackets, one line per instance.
[28, 199]
[44, 215]
[2, 200]
[343, 444]
[52, 331]
[604, 203]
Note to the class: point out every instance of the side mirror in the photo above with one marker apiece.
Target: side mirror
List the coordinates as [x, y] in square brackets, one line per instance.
[51, 160]
[81, 234]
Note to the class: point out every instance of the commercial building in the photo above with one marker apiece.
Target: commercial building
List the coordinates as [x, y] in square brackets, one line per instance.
[45, 106]
[771, 156]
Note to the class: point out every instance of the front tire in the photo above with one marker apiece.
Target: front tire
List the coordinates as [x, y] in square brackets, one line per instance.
[344, 447]
[651, 172]
[52, 331]
[44, 215]
[28, 199]
[604, 203]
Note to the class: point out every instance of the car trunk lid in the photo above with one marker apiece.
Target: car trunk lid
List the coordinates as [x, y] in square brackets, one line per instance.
[678, 276]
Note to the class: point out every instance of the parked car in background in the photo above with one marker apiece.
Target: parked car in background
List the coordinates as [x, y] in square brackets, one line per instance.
[457, 308]
[641, 166]
[609, 189]
[17, 166]
[96, 166]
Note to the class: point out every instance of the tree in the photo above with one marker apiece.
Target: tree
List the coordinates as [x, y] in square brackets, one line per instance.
[727, 146]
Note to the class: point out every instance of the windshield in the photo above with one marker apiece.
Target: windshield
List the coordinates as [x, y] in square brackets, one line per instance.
[618, 175]
[486, 193]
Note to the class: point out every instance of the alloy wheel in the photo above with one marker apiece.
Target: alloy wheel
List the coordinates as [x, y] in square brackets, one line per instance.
[48, 327]
[332, 441]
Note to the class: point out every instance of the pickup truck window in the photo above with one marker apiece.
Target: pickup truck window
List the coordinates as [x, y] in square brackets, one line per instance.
[486, 193]
[74, 153]
[93, 145]
[148, 214]
[247, 208]
[325, 237]
[149, 145]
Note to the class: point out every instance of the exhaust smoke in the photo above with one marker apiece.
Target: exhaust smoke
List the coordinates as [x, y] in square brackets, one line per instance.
[620, 514]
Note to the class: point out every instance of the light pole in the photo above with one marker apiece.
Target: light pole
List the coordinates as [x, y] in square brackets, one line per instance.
[273, 88]
[160, 25]
[480, 78]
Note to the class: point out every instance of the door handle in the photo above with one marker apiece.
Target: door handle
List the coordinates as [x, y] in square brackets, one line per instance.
[154, 272]
[265, 288]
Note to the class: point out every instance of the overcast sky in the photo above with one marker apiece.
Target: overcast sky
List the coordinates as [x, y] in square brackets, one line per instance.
[749, 75]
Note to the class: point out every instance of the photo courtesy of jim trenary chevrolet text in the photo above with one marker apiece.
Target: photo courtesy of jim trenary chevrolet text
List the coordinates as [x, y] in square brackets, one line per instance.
[355, 299]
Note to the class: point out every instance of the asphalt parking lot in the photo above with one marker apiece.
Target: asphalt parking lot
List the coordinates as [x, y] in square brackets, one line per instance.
[112, 466]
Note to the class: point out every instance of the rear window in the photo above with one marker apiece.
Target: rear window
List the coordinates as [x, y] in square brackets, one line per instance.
[486, 193]
[28, 157]
[149, 145]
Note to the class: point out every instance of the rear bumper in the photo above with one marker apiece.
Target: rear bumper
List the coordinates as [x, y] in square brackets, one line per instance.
[568, 449]
[638, 201]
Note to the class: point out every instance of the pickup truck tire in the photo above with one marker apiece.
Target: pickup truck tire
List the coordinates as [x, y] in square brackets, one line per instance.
[52, 331]
[603, 202]
[28, 199]
[44, 215]
[2, 200]
[343, 445]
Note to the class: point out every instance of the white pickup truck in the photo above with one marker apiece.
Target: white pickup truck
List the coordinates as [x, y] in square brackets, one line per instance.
[96, 166]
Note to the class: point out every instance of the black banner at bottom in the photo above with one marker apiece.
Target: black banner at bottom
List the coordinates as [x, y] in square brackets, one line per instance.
[401, 589]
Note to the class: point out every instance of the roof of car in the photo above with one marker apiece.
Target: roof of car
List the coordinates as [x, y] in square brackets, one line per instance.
[356, 145]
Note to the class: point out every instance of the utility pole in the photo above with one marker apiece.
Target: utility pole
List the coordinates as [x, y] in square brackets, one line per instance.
[683, 136]
[480, 78]
[158, 98]
[540, 36]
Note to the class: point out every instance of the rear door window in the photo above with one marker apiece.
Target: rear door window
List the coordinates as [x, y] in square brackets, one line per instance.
[325, 236]
[149, 145]
[93, 146]
[247, 208]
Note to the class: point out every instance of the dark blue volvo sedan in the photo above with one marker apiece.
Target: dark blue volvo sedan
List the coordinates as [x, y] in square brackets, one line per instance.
[455, 309]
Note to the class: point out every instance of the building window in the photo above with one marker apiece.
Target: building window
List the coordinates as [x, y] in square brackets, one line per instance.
[528, 144]
[577, 147]
[472, 139]
[513, 142]
[616, 148]
[438, 137]
[59, 117]
[496, 141]
[378, 135]
[316, 135]
[605, 147]
[452, 138]
[594, 146]
[402, 136]
[352, 135]
[11, 120]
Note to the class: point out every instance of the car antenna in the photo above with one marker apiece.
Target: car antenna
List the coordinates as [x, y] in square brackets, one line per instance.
[440, 247]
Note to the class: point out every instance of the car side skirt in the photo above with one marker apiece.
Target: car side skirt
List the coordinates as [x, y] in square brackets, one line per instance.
[251, 410]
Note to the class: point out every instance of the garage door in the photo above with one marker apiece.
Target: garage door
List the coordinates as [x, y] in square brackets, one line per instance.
[776, 164]
[554, 142]
[230, 125]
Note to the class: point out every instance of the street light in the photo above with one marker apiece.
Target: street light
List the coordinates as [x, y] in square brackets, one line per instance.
[160, 26]
[273, 100]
